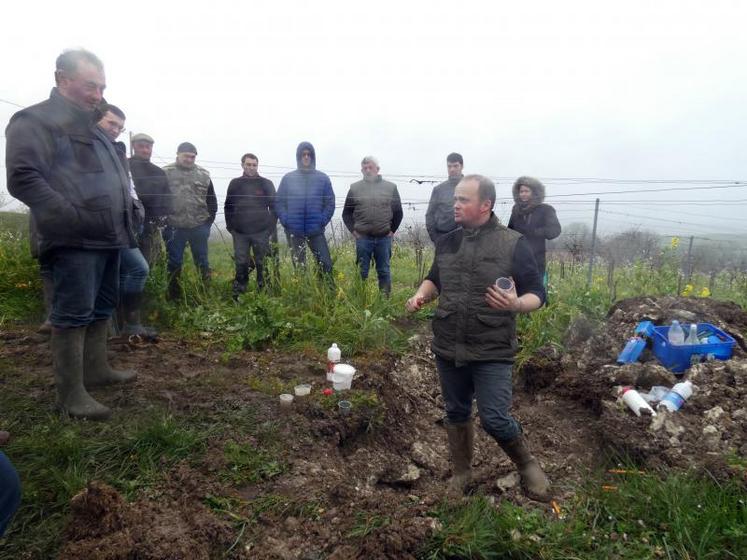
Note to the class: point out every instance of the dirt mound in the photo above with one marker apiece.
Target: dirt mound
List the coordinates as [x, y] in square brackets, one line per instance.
[711, 424]
[105, 527]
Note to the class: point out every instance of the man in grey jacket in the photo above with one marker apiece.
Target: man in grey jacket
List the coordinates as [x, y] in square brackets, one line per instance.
[66, 170]
[372, 213]
[439, 218]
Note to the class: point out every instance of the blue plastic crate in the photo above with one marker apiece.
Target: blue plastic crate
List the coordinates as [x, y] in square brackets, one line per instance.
[679, 358]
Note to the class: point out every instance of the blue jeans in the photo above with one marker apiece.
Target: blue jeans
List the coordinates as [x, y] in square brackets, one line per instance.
[490, 384]
[318, 245]
[133, 271]
[86, 286]
[380, 248]
[10, 492]
[176, 241]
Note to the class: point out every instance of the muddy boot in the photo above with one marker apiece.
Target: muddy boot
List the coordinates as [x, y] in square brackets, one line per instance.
[385, 288]
[461, 443]
[67, 355]
[533, 480]
[96, 370]
[206, 274]
[48, 289]
[131, 304]
[240, 281]
[175, 288]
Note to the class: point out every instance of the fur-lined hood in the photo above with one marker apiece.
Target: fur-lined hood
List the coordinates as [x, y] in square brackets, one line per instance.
[538, 190]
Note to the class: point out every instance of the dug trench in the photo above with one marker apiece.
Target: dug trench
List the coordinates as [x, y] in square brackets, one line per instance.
[308, 482]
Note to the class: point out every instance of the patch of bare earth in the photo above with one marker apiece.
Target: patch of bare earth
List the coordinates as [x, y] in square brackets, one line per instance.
[362, 486]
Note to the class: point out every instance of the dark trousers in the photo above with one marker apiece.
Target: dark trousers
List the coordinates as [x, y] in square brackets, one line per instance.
[150, 242]
[86, 286]
[490, 384]
[318, 245]
[380, 249]
[248, 248]
[10, 492]
[176, 243]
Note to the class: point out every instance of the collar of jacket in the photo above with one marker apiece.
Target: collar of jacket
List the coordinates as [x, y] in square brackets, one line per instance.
[70, 109]
[376, 179]
[491, 224]
[455, 180]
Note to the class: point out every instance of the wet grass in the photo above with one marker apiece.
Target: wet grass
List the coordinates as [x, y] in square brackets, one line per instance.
[680, 516]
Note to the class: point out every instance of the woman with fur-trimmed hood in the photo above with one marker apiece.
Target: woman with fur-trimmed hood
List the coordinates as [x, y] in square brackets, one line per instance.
[532, 218]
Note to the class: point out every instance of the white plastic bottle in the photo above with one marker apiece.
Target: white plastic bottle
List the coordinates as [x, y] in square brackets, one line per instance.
[676, 396]
[334, 355]
[676, 335]
[636, 402]
[692, 336]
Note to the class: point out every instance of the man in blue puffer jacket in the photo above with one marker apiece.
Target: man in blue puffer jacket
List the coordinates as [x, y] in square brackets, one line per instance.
[304, 205]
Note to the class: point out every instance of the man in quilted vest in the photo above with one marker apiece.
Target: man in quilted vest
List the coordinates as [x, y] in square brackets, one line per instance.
[193, 210]
[474, 329]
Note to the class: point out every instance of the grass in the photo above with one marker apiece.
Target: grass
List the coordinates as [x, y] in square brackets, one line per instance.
[679, 516]
[675, 516]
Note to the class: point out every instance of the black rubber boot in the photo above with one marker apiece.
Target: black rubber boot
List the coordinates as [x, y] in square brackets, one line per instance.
[96, 369]
[240, 280]
[533, 479]
[175, 288]
[131, 304]
[461, 445]
[67, 354]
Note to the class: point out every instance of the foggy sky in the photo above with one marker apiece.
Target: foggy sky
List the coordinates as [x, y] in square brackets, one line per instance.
[573, 90]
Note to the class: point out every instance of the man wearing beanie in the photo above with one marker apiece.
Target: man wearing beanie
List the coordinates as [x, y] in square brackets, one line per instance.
[439, 218]
[193, 210]
[152, 188]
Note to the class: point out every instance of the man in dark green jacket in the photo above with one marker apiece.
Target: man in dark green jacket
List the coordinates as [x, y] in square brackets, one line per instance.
[474, 329]
[372, 213]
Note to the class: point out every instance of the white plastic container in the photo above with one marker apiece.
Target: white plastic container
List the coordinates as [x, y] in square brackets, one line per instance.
[342, 378]
[302, 390]
[676, 396]
[692, 336]
[334, 355]
[636, 402]
[676, 335]
[286, 400]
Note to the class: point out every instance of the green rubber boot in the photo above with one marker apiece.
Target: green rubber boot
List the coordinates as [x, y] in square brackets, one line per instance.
[96, 369]
[461, 444]
[67, 355]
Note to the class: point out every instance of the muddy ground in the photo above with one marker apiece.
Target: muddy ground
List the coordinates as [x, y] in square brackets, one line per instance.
[386, 463]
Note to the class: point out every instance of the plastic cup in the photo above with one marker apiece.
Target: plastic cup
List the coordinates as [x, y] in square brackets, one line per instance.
[504, 283]
[302, 390]
[344, 407]
[286, 399]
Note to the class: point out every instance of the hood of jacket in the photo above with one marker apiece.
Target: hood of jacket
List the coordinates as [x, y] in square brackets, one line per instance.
[538, 190]
[305, 146]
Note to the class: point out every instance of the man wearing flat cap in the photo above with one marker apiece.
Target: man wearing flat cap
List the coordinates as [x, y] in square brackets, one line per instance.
[152, 187]
[193, 209]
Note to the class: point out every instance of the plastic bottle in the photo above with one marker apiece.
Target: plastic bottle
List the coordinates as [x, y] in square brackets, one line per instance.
[676, 396]
[334, 355]
[676, 335]
[692, 336]
[636, 402]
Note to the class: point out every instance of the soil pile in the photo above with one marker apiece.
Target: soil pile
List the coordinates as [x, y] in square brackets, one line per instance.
[712, 423]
